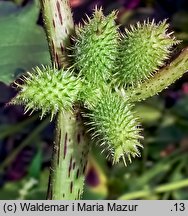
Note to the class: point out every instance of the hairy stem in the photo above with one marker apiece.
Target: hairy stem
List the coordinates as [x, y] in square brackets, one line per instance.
[161, 80]
[71, 147]
[59, 26]
[69, 161]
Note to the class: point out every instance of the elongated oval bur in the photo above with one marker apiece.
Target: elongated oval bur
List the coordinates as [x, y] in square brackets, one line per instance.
[96, 47]
[48, 90]
[114, 125]
[143, 49]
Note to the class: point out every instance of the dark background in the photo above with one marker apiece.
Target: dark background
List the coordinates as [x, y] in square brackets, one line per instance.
[26, 142]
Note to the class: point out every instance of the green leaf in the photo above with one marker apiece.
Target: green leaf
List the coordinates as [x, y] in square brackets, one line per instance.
[22, 42]
[147, 113]
[7, 8]
[10, 191]
[35, 167]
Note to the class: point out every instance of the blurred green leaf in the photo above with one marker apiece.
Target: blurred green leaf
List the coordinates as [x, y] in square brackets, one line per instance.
[27, 186]
[89, 194]
[17, 190]
[178, 175]
[22, 42]
[10, 191]
[160, 168]
[35, 167]
[37, 194]
[147, 113]
[40, 191]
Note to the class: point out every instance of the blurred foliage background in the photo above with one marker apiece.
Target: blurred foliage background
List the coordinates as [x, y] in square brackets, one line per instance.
[26, 142]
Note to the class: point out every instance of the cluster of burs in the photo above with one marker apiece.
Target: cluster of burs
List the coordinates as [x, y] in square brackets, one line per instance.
[106, 64]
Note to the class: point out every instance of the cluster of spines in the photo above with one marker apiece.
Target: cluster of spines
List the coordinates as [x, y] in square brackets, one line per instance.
[96, 47]
[113, 123]
[48, 90]
[143, 49]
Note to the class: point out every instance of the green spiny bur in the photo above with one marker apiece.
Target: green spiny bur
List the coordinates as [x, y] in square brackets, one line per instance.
[48, 90]
[114, 125]
[96, 46]
[143, 50]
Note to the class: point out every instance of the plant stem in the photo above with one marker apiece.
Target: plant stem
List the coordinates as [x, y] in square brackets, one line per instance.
[159, 189]
[71, 146]
[59, 26]
[69, 161]
[161, 80]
